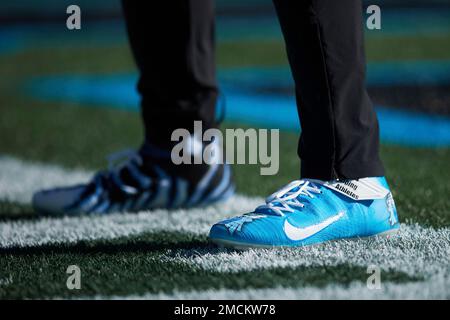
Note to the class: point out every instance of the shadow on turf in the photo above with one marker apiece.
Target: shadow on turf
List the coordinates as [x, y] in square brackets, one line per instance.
[179, 276]
[5, 217]
[147, 242]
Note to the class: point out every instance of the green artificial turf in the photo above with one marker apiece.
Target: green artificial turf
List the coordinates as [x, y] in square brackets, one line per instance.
[134, 266]
[79, 136]
[107, 58]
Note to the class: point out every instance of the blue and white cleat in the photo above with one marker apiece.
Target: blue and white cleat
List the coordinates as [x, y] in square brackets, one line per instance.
[146, 180]
[307, 212]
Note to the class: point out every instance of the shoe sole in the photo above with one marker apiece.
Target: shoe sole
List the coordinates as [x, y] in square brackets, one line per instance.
[221, 243]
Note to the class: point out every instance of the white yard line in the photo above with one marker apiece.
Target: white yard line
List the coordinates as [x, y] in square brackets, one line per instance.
[73, 229]
[435, 288]
[20, 179]
[415, 250]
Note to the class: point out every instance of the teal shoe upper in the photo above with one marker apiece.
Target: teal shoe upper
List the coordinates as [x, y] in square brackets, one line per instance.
[307, 212]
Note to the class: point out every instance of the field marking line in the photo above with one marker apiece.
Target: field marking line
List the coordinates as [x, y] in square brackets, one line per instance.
[435, 288]
[415, 250]
[20, 179]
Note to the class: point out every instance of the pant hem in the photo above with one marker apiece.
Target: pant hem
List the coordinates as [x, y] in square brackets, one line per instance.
[350, 170]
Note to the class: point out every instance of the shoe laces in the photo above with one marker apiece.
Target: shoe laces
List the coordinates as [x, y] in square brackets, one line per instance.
[288, 198]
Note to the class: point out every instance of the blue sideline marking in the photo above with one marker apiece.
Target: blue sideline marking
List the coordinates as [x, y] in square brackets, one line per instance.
[268, 110]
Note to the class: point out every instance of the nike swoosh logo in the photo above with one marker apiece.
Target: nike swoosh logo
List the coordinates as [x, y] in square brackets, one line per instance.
[296, 234]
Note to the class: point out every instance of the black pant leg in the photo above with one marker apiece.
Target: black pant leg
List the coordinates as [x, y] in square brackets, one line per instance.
[324, 42]
[173, 45]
